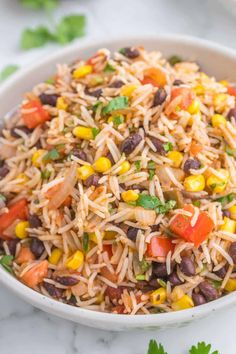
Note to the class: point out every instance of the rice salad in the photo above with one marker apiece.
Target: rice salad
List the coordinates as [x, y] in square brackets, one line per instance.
[118, 185]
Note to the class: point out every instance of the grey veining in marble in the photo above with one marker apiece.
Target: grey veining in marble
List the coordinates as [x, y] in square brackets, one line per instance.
[25, 330]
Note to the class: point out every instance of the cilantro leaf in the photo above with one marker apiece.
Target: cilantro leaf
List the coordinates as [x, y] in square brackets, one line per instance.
[164, 208]
[69, 28]
[140, 277]
[6, 262]
[151, 174]
[96, 106]
[109, 68]
[216, 283]
[85, 241]
[8, 71]
[174, 60]
[52, 155]
[226, 199]
[168, 146]
[148, 202]
[155, 348]
[202, 348]
[137, 165]
[39, 4]
[35, 38]
[144, 265]
[95, 132]
[115, 104]
[45, 174]
[117, 120]
[151, 165]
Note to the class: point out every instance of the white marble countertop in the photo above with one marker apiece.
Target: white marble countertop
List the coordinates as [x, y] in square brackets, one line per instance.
[26, 330]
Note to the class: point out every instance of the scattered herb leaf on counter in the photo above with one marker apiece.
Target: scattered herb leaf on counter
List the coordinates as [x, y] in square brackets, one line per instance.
[35, 38]
[115, 104]
[6, 262]
[155, 348]
[8, 71]
[39, 4]
[202, 348]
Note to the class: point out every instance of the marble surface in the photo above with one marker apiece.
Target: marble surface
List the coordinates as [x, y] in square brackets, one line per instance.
[26, 330]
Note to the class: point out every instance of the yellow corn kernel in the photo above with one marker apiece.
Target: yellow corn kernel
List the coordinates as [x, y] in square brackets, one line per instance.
[84, 172]
[224, 83]
[61, 104]
[182, 304]
[82, 71]
[129, 196]
[157, 297]
[220, 99]
[75, 261]
[124, 167]
[194, 107]
[37, 157]
[194, 183]
[199, 89]
[109, 235]
[83, 133]
[110, 119]
[176, 157]
[177, 293]
[230, 285]
[55, 256]
[22, 178]
[216, 184]
[217, 120]
[100, 299]
[103, 164]
[20, 229]
[229, 225]
[93, 236]
[232, 211]
[127, 90]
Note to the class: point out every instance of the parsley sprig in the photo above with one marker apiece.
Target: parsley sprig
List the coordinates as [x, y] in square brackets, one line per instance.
[200, 348]
[151, 202]
[6, 263]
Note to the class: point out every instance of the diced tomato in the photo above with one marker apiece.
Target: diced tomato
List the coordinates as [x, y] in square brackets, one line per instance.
[18, 210]
[114, 294]
[108, 249]
[36, 274]
[154, 76]
[159, 247]
[231, 91]
[25, 255]
[120, 309]
[186, 96]
[195, 149]
[33, 114]
[181, 226]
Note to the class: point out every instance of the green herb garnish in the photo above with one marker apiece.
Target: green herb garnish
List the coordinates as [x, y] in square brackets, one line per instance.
[226, 199]
[168, 146]
[95, 132]
[151, 165]
[50, 81]
[117, 120]
[35, 38]
[116, 104]
[174, 59]
[151, 174]
[39, 4]
[155, 348]
[137, 165]
[162, 283]
[8, 71]
[45, 174]
[162, 209]
[96, 106]
[197, 203]
[2, 197]
[216, 283]
[144, 265]
[85, 242]
[6, 263]
[140, 277]
[109, 68]
[52, 155]
[148, 202]
[202, 348]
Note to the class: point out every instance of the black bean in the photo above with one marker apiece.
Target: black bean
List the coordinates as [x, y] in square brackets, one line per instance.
[147, 285]
[130, 143]
[72, 301]
[231, 114]
[226, 213]
[22, 128]
[52, 290]
[159, 270]
[92, 181]
[187, 266]
[116, 84]
[159, 145]
[137, 186]
[198, 299]
[37, 247]
[95, 93]
[12, 246]
[130, 52]
[38, 144]
[2, 163]
[132, 233]
[208, 291]
[80, 154]
[155, 228]
[67, 280]
[4, 170]
[159, 97]
[110, 157]
[154, 283]
[193, 164]
[34, 221]
[50, 99]
[174, 279]
[232, 251]
[178, 82]
[221, 272]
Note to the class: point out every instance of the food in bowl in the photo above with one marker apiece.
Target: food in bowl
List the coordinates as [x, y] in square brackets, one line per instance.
[118, 185]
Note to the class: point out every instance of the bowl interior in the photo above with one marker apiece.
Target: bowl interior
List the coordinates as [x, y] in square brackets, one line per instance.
[214, 60]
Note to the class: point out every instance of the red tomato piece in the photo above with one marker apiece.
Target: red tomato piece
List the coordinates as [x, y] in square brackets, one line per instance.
[154, 76]
[18, 210]
[159, 247]
[33, 114]
[187, 96]
[231, 91]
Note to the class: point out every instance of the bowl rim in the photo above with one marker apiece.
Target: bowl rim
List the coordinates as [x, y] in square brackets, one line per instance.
[76, 313]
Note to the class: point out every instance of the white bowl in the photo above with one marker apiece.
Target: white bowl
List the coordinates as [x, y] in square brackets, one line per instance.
[215, 60]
